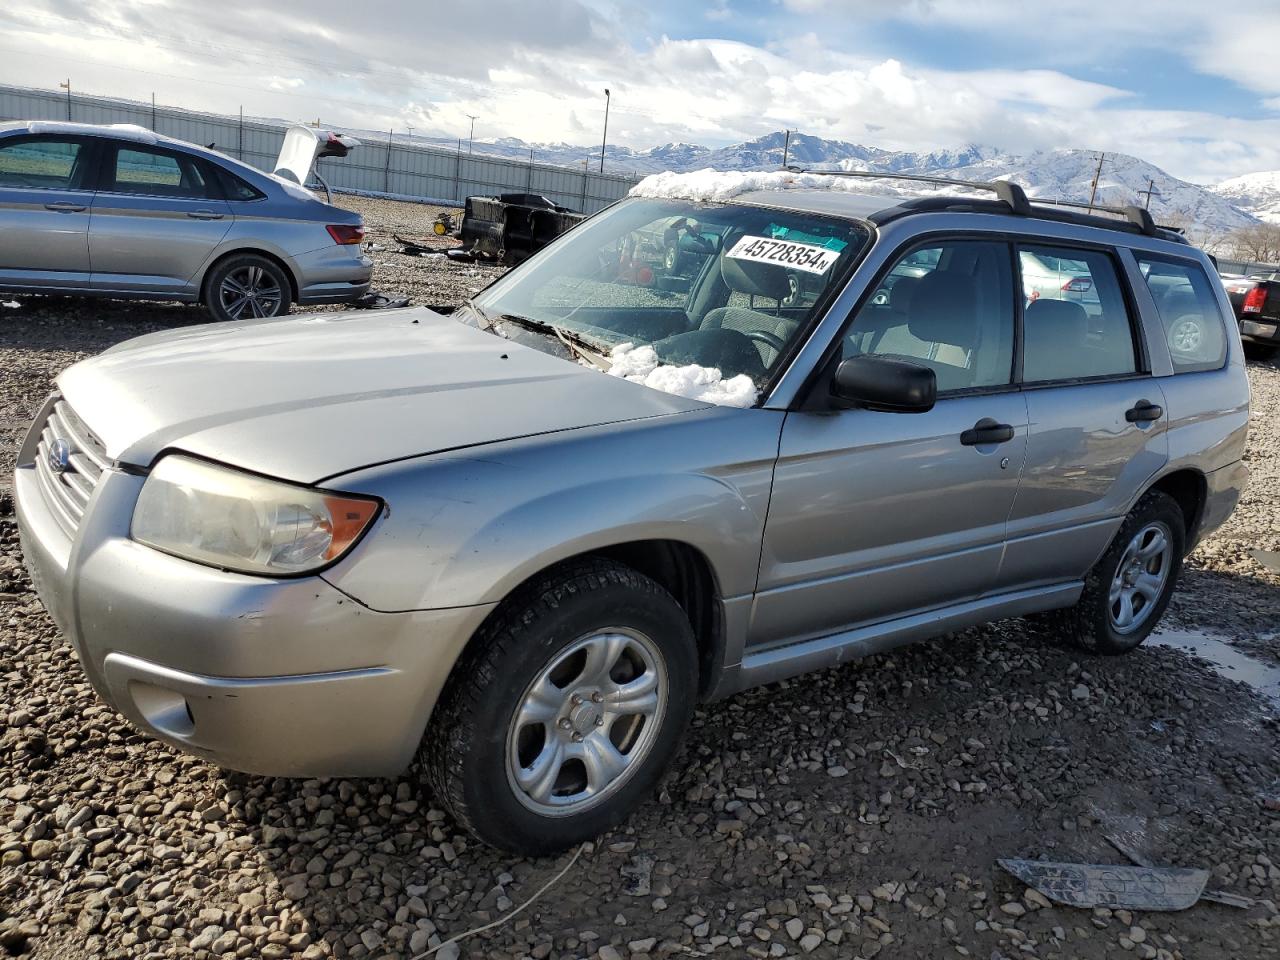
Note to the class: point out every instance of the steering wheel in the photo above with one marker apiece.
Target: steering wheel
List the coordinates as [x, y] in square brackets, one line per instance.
[763, 336]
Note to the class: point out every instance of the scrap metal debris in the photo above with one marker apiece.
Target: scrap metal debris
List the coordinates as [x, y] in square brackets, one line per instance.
[380, 301]
[1123, 844]
[1122, 886]
[512, 226]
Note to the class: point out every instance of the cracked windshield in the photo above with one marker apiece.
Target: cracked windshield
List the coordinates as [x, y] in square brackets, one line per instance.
[701, 300]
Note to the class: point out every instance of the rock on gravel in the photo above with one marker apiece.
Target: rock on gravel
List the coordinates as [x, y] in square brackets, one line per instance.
[971, 747]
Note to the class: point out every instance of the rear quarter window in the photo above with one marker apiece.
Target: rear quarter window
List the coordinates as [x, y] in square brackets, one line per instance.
[1189, 313]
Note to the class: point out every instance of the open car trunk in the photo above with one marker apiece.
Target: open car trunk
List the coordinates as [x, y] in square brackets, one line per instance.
[304, 145]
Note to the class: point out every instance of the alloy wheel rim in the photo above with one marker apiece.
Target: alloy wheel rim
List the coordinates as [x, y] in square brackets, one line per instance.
[586, 722]
[1140, 577]
[250, 291]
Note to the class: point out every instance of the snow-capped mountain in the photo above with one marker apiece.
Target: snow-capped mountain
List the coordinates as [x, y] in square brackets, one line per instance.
[1124, 181]
[1062, 174]
[1255, 193]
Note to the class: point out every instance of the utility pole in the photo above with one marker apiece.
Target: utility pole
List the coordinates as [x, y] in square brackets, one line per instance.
[786, 148]
[605, 139]
[386, 171]
[67, 87]
[472, 135]
[1093, 190]
[1151, 188]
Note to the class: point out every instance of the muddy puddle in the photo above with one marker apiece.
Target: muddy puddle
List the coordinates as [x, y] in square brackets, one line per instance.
[1227, 660]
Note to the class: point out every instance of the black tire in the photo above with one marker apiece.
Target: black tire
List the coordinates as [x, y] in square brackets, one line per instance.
[1260, 351]
[1090, 624]
[272, 292]
[465, 751]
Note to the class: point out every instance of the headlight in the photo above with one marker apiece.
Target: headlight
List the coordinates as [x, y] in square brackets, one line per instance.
[237, 521]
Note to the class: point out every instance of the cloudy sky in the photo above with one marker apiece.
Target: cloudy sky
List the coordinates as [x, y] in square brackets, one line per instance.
[1173, 81]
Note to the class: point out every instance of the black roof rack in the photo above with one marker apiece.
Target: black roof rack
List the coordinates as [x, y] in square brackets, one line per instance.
[1010, 193]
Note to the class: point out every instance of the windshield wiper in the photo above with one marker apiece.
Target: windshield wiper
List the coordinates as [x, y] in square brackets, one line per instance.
[579, 346]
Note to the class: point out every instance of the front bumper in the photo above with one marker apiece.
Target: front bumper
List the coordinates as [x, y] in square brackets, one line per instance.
[1262, 331]
[278, 677]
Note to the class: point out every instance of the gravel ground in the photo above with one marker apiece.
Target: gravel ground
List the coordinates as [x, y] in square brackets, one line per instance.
[853, 813]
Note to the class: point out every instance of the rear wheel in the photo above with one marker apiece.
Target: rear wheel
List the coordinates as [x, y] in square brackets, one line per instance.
[1128, 589]
[1260, 351]
[247, 287]
[566, 711]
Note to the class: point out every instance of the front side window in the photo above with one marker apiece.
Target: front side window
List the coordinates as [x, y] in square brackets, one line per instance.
[42, 164]
[1076, 325]
[1188, 312]
[157, 173]
[949, 306]
[677, 294]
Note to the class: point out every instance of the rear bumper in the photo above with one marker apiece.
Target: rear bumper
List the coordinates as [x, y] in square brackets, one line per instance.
[333, 274]
[1261, 331]
[277, 677]
[1226, 486]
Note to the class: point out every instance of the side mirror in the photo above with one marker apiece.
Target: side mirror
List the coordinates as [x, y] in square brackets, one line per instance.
[882, 383]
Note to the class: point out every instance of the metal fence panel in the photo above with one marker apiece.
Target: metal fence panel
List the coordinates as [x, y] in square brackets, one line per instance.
[379, 165]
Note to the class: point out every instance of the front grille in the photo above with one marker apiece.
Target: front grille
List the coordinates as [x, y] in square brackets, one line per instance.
[68, 470]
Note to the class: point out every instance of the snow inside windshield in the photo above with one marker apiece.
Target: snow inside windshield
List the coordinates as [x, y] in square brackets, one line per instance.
[703, 300]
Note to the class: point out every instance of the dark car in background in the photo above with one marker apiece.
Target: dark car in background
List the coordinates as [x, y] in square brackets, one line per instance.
[1256, 302]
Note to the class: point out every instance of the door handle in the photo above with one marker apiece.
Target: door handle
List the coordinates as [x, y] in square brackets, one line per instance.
[1144, 412]
[65, 206]
[986, 431]
[203, 215]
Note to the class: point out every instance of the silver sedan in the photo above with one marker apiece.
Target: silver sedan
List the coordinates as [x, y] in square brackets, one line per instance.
[119, 211]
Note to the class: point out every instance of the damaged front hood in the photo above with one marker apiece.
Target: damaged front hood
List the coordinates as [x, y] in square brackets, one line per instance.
[317, 395]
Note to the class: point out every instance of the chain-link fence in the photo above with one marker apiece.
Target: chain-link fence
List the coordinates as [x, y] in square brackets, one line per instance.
[381, 166]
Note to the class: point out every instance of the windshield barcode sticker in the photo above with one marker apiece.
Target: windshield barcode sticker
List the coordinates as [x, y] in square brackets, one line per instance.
[808, 257]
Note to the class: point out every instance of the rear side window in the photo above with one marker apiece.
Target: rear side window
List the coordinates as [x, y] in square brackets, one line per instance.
[1076, 324]
[158, 173]
[43, 164]
[1188, 312]
[948, 306]
[236, 189]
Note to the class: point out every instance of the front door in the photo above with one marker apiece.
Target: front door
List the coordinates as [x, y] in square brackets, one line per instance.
[44, 211]
[877, 515]
[157, 219]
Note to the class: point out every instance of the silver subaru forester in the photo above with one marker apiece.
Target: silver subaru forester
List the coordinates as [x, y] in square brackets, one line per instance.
[521, 542]
[119, 211]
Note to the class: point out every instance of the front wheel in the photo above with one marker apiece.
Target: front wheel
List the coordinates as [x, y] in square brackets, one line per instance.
[567, 709]
[1128, 589]
[247, 287]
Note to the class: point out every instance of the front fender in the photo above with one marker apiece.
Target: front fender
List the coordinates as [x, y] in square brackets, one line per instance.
[466, 530]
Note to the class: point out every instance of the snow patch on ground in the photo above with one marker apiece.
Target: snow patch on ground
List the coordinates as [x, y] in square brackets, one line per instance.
[641, 365]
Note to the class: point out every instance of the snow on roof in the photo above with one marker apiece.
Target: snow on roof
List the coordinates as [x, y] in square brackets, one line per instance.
[726, 184]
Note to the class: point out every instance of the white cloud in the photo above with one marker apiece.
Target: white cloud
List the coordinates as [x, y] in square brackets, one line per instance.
[538, 72]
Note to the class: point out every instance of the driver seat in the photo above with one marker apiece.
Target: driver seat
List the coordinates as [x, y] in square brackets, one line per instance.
[752, 280]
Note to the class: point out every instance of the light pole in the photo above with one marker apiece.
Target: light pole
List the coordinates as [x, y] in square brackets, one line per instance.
[604, 139]
[471, 136]
[67, 86]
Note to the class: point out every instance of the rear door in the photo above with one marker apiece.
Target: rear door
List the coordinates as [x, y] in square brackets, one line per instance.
[157, 218]
[45, 200]
[877, 515]
[1097, 424]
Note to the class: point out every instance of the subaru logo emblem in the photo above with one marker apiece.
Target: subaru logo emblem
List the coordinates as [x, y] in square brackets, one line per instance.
[59, 455]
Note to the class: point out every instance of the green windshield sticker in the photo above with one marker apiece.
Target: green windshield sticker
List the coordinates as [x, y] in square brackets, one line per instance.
[779, 232]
